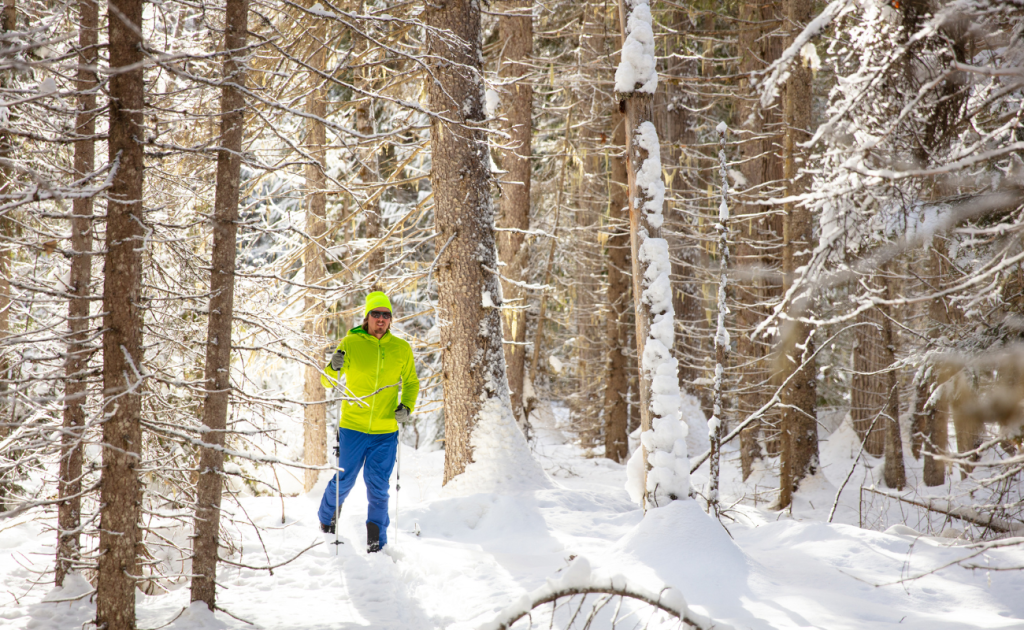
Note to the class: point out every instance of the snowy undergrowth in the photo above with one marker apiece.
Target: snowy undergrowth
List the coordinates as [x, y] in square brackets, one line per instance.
[477, 554]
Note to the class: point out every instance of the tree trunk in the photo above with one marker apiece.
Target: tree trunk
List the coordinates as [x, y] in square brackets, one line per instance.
[655, 318]
[222, 296]
[757, 237]
[8, 227]
[515, 26]
[472, 358]
[869, 385]
[120, 489]
[716, 425]
[70, 476]
[933, 420]
[895, 474]
[616, 401]
[799, 456]
[314, 437]
[369, 169]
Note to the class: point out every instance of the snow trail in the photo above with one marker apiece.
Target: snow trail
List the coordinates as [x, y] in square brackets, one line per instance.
[478, 554]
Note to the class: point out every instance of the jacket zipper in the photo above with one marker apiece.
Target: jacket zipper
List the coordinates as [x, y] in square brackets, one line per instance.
[376, 384]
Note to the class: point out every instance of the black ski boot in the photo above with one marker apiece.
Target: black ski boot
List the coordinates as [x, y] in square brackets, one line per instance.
[372, 538]
[329, 529]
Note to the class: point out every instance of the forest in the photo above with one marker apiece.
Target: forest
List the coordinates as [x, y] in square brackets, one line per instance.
[717, 311]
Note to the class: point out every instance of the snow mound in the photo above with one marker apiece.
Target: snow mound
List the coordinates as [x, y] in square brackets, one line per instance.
[502, 462]
[691, 552]
[197, 617]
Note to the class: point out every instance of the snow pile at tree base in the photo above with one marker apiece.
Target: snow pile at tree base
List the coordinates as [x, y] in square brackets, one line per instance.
[693, 553]
[502, 462]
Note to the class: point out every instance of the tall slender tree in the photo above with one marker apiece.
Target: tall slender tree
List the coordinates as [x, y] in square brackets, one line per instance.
[120, 488]
[585, 402]
[616, 401]
[666, 468]
[369, 156]
[759, 232]
[222, 301]
[315, 410]
[78, 351]
[795, 361]
[515, 27]
[8, 20]
[894, 473]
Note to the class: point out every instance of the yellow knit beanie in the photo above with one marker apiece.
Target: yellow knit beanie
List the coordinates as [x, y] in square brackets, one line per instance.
[377, 299]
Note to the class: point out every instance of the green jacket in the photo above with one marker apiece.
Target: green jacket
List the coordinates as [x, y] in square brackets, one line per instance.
[371, 364]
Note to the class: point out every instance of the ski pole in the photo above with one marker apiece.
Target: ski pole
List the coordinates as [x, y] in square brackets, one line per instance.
[398, 482]
[336, 480]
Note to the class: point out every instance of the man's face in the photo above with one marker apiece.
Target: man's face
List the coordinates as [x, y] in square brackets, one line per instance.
[379, 321]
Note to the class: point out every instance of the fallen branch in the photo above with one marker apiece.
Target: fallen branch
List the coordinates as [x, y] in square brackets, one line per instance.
[578, 579]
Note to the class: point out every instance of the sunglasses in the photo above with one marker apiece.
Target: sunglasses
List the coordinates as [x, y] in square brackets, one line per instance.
[380, 314]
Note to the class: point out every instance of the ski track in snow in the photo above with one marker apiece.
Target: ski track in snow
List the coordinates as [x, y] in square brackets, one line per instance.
[477, 554]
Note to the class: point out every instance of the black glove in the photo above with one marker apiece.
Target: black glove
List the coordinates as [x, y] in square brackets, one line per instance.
[402, 414]
[338, 360]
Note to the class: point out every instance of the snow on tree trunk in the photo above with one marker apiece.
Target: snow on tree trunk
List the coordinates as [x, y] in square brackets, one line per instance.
[484, 449]
[515, 25]
[660, 471]
[314, 412]
[716, 425]
[222, 297]
[120, 487]
[70, 482]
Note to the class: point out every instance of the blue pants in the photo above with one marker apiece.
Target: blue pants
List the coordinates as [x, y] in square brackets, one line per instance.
[377, 453]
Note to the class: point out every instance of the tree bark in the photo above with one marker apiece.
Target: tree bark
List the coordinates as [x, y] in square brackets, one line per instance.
[757, 237]
[588, 345]
[8, 227]
[616, 402]
[869, 385]
[222, 296]
[78, 351]
[369, 169]
[894, 474]
[933, 421]
[644, 240]
[515, 26]
[314, 437]
[799, 456]
[120, 489]
[717, 423]
[472, 358]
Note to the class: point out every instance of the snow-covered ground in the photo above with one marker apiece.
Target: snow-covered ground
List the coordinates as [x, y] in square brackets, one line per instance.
[456, 561]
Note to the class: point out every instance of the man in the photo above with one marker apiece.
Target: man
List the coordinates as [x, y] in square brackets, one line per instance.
[374, 363]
